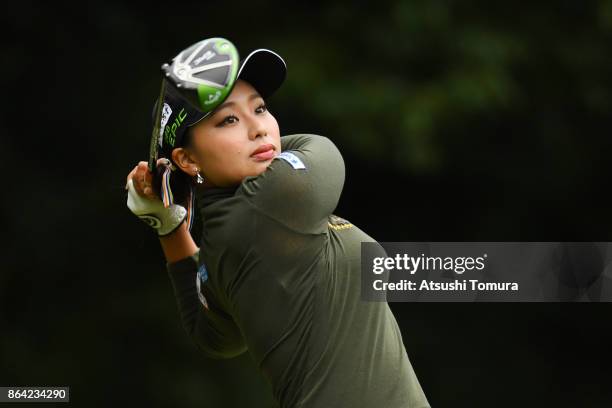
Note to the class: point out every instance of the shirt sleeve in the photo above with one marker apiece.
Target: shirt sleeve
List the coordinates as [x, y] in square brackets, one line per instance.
[213, 330]
[302, 185]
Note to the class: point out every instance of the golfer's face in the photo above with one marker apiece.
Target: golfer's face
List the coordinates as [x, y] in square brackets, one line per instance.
[240, 139]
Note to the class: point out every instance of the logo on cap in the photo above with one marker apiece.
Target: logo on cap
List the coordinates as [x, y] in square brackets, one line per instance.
[170, 130]
[165, 115]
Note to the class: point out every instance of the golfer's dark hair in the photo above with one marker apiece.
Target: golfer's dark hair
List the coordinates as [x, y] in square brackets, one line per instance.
[180, 182]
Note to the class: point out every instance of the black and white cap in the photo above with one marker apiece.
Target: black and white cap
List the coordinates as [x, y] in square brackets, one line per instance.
[264, 69]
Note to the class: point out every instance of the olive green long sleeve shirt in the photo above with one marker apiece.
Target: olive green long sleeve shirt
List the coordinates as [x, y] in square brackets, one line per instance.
[279, 276]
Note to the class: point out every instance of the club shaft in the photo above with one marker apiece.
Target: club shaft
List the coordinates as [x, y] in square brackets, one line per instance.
[156, 128]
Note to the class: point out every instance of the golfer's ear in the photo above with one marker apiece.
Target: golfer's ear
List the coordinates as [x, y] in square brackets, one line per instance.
[183, 159]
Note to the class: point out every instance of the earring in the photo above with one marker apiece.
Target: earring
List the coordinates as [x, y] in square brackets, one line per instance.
[199, 178]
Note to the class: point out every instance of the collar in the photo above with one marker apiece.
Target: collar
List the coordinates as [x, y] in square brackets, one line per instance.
[205, 197]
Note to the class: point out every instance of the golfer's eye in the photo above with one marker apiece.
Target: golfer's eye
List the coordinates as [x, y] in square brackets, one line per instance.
[261, 108]
[227, 120]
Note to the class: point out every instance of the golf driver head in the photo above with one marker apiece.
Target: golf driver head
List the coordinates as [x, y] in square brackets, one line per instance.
[204, 75]
[205, 72]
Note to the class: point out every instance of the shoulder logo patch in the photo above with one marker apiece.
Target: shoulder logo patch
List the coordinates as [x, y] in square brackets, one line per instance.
[292, 159]
[338, 223]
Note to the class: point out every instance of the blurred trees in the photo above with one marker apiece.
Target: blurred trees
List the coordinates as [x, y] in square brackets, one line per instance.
[463, 120]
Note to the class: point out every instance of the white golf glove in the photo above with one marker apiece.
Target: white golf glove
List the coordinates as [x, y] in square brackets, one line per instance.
[153, 213]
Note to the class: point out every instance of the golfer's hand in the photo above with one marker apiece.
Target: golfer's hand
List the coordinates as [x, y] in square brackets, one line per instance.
[147, 206]
[142, 179]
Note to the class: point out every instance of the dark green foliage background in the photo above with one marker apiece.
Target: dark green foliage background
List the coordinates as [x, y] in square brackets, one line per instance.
[458, 121]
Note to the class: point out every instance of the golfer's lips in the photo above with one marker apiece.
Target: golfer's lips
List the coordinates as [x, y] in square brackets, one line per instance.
[264, 152]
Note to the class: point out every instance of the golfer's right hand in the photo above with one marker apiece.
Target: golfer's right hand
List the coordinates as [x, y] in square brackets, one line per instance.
[142, 178]
[147, 206]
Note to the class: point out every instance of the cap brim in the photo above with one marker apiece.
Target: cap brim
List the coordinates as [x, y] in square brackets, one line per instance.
[265, 70]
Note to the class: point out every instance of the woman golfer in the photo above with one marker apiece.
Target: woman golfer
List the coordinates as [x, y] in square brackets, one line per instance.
[275, 273]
